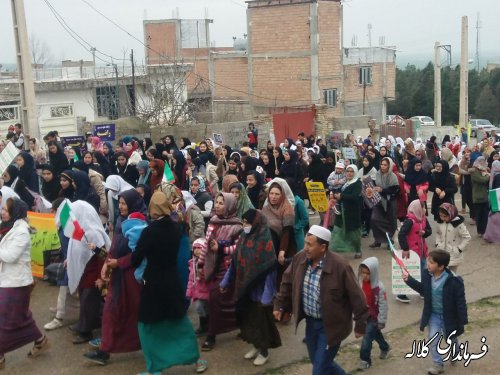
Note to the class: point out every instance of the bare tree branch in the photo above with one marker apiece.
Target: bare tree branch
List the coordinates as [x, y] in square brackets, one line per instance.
[40, 51]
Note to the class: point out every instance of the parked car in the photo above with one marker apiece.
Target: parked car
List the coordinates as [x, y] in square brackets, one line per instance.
[424, 120]
[481, 124]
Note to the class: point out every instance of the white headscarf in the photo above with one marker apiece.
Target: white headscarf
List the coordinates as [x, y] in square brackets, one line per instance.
[355, 177]
[288, 192]
[117, 185]
[7, 193]
[78, 252]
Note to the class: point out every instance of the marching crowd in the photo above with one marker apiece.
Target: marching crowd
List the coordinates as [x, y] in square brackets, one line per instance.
[175, 223]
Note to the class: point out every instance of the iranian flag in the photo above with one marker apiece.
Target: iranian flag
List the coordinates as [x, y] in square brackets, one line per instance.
[398, 260]
[70, 225]
[168, 176]
[495, 200]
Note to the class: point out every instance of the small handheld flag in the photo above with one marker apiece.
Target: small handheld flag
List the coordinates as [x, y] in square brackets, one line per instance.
[70, 225]
[168, 176]
[398, 260]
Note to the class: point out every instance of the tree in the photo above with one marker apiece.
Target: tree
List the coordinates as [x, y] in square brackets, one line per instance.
[488, 105]
[40, 51]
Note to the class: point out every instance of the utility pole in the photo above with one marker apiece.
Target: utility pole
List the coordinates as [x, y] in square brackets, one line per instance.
[93, 49]
[464, 71]
[117, 95]
[437, 84]
[132, 96]
[29, 113]
[478, 26]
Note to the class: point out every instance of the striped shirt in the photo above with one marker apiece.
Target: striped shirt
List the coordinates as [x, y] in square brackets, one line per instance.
[310, 291]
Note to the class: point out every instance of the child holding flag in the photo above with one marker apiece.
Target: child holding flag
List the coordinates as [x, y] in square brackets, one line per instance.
[412, 235]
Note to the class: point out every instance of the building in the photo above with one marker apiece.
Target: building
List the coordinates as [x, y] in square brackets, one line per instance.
[294, 63]
[80, 92]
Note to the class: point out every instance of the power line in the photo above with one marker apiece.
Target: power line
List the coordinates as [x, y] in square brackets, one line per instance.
[174, 62]
[79, 39]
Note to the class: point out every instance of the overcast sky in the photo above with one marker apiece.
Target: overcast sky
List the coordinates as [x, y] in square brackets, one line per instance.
[412, 26]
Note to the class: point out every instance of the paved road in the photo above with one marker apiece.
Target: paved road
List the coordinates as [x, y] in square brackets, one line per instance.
[479, 271]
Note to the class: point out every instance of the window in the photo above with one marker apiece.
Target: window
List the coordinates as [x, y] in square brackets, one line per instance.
[330, 97]
[365, 75]
[107, 102]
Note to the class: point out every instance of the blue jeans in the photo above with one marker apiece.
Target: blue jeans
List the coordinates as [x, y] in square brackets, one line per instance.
[372, 333]
[322, 356]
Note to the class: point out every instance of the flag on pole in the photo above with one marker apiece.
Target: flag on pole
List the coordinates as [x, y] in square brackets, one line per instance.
[168, 176]
[398, 260]
[70, 225]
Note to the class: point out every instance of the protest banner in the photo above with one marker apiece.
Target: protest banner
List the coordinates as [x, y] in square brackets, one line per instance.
[317, 196]
[411, 265]
[105, 131]
[7, 156]
[349, 153]
[44, 241]
[218, 138]
[74, 141]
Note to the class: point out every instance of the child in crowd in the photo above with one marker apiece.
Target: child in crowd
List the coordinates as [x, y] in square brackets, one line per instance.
[412, 236]
[335, 182]
[197, 288]
[376, 300]
[132, 229]
[445, 308]
[452, 235]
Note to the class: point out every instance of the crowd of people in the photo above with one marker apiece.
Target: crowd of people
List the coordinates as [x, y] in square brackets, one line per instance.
[240, 246]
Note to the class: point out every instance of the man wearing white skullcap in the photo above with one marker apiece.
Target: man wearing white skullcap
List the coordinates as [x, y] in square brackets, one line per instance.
[321, 287]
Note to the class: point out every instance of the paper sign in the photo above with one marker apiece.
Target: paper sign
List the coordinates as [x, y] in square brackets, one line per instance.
[412, 265]
[272, 138]
[44, 239]
[74, 141]
[105, 131]
[7, 156]
[349, 153]
[317, 196]
[218, 138]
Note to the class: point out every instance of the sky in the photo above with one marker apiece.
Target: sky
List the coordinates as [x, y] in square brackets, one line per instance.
[411, 26]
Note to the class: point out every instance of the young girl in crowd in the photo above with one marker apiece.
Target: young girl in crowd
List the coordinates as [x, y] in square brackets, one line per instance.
[412, 235]
[452, 235]
[197, 289]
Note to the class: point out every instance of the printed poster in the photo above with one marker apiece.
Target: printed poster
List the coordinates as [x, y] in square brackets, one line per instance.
[45, 239]
[349, 153]
[105, 131]
[413, 266]
[218, 138]
[317, 196]
[75, 141]
[7, 156]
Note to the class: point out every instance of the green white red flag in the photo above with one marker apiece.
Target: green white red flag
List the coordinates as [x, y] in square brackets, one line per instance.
[398, 260]
[168, 176]
[68, 222]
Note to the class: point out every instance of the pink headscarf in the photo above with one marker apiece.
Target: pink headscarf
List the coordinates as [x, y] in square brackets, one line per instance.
[416, 211]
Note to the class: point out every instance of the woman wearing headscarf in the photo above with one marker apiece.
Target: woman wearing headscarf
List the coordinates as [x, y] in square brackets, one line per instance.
[145, 192]
[145, 145]
[85, 260]
[57, 158]
[290, 166]
[27, 171]
[301, 222]
[99, 160]
[96, 178]
[38, 154]
[466, 187]
[367, 175]
[120, 315]
[480, 183]
[166, 333]
[157, 166]
[267, 163]
[222, 161]
[115, 185]
[279, 212]
[75, 185]
[492, 233]
[277, 156]
[130, 147]
[255, 189]
[144, 173]
[180, 169]
[50, 183]
[227, 181]
[17, 327]
[248, 163]
[346, 234]
[184, 143]
[416, 182]
[193, 218]
[494, 155]
[384, 218]
[253, 275]
[204, 200]
[443, 184]
[222, 239]
[126, 170]
[11, 179]
[243, 202]
[401, 199]
[109, 154]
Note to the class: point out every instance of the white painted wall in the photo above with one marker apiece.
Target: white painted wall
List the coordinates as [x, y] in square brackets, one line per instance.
[83, 101]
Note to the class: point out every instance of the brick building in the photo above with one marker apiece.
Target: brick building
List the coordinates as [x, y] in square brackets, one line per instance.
[292, 56]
